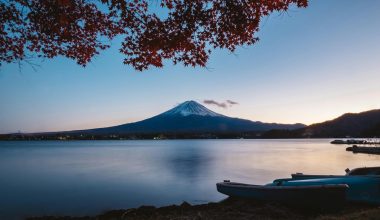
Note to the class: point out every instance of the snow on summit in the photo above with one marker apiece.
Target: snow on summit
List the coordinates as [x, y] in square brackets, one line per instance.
[190, 108]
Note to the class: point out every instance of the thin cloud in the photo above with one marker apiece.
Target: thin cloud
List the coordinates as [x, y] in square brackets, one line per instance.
[232, 102]
[226, 104]
[213, 102]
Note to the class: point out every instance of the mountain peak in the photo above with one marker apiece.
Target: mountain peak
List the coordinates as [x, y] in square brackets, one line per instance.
[190, 108]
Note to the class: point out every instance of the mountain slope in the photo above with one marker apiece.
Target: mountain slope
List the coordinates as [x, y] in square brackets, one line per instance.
[364, 124]
[190, 117]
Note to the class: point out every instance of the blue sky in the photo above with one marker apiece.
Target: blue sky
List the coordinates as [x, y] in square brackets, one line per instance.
[310, 65]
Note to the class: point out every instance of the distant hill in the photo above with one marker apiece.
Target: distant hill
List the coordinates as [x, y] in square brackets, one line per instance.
[189, 117]
[364, 124]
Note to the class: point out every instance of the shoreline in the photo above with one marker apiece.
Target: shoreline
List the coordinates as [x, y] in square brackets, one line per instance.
[174, 139]
[230, 208]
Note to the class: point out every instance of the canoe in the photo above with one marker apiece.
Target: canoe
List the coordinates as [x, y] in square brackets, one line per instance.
[308, 195]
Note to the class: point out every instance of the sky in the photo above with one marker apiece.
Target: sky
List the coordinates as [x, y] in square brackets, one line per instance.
[310, 65]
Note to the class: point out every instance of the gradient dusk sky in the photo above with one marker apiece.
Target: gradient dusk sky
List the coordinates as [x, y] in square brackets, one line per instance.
[310, 65]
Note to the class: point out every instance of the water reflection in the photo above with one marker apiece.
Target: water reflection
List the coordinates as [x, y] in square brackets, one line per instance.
[187, 161]
[88, 177]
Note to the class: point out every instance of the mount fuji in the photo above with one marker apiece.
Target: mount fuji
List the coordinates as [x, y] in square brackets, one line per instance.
[189, 117]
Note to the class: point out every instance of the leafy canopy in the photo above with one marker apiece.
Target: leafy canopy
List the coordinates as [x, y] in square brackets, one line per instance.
[185, 31]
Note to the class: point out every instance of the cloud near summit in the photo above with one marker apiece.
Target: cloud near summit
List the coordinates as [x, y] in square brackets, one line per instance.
[226, 104]
[232, 102]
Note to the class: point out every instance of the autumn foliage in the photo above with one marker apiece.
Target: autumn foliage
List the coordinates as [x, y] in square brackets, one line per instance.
[184, 31]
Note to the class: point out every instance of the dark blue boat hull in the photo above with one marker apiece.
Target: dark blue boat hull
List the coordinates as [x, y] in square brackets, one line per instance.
[334, 194]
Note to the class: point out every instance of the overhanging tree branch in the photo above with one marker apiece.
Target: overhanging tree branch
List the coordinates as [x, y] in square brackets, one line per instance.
[77, 29]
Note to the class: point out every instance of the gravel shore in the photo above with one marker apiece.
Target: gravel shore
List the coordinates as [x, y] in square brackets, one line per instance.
[236, 209]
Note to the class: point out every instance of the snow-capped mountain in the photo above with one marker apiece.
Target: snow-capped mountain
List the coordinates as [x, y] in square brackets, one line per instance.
[190, 108]
[189, 117]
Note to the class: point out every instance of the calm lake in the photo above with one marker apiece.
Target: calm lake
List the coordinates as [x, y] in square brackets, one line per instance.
[89, 177]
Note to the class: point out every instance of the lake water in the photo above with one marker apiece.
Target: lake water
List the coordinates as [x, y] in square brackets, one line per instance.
[89, 177]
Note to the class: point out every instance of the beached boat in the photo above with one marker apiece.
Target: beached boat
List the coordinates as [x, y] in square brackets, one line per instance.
[298, 195]
[363, 189]
[364, 183]
[358, 185]
[364, 149]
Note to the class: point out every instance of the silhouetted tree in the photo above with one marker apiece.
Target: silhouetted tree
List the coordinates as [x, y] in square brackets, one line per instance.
[183, 31]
